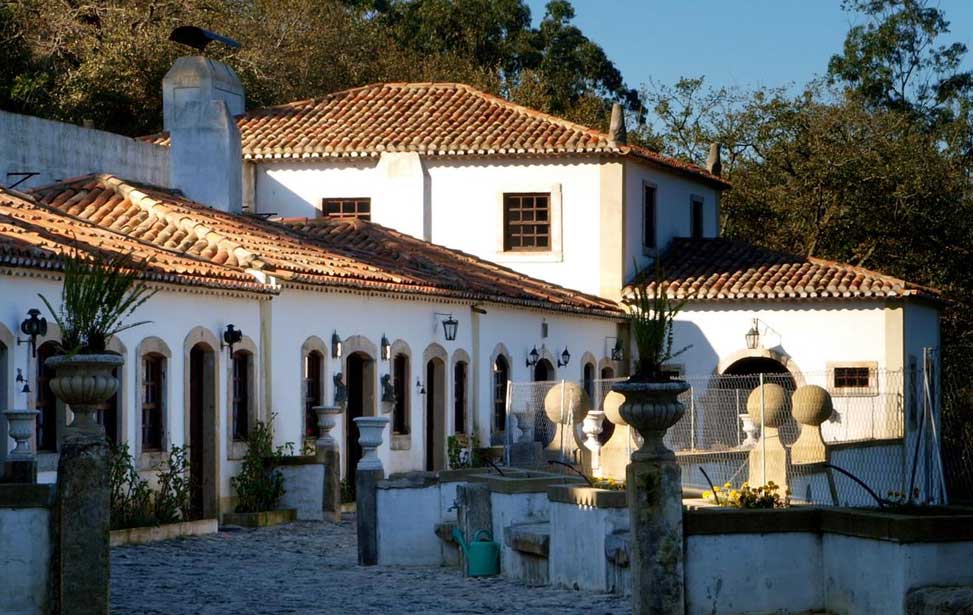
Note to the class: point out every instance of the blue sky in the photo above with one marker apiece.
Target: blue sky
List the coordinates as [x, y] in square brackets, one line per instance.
[731, 42]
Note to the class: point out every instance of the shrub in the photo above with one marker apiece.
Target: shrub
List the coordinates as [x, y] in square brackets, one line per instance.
[259, 486]
[764, 496]
[172, 502]
[131, 497]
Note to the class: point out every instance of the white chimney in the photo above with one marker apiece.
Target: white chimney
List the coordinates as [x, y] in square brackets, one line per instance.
[200, 99]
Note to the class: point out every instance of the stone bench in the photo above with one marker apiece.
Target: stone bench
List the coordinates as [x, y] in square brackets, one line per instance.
[529, 545]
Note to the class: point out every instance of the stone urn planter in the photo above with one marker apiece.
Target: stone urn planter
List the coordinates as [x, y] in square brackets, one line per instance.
[651, 408]
[22, 424]
[83, 381]
[370, 429]
[327, 420]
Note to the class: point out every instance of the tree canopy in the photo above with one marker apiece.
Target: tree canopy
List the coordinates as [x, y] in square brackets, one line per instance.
[104, 60]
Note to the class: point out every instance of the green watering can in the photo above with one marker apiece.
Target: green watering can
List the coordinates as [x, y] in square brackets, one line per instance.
[482, 554]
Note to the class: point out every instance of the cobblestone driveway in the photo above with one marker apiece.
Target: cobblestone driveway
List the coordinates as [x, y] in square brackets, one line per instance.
[310, 569]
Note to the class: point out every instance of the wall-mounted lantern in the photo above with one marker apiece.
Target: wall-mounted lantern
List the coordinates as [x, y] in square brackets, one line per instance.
[753, 336]
[564, 359]
[386, 348]
[420, 387]
[450, 325]
[532, 357]
[231, 337]
[335, 346]
[33, 326]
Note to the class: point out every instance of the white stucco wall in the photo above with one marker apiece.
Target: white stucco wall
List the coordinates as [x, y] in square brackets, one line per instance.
[25, 560]
[674, 196]
[59, 151]
[407, 521]
[172, 316]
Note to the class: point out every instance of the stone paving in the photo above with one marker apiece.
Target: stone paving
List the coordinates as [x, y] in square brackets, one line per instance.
[311, 569]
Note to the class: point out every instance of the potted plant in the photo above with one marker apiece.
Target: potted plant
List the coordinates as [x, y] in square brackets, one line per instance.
[651, 396]
[97, 295]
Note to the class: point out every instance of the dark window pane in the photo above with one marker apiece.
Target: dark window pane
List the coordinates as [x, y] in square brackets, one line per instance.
[852, 377]
[696, 219]
[501, 374]
[400, 378]
[360, 208]
[241, 394]
[648, 218]
[526, 221]
[459, 398]
[152, 406]
[313, 391]
[45, 402]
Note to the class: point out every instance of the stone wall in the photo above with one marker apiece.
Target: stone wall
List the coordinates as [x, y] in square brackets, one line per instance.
[57, 151]
[25, 548]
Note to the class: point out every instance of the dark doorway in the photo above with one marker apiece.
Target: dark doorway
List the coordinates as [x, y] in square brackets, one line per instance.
[734, 387]
[355, 383]
[543, 371]
[204, 499]
[543, 427]
[435, 415]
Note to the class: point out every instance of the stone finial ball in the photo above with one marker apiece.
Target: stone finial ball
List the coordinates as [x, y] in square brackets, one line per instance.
[576, 403]
[777, 405]
[811, 405]
[612, 407]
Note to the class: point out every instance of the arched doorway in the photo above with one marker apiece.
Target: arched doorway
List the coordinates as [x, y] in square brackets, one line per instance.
[435, 414]
[360, 380]
[203, 431]
[726, 401]
[543, 428]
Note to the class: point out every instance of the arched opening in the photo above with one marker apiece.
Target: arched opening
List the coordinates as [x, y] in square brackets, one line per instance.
[459, 397]
[360, 384]
[313, 391]
[44, 400]
[435, 414]
[544, 371]
[501, 375]
[203, 431]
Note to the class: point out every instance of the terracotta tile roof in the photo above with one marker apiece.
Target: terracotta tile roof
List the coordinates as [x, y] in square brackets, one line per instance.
[394, 251]
[368, 257]
[33, 235]
[726, 270]
[433, 119]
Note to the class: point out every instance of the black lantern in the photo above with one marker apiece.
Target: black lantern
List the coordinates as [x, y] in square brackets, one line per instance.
[449, 328]
[335, 346]
[532, 357]
[564, 358]
[420, 387]
[231, 337]
[617, 352]
[33, 326]
[386, 348]
[753, 336]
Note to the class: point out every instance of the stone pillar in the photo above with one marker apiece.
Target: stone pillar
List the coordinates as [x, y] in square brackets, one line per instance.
[654, 493]
[328, 453]
[368, 473]
[769, 406]
[81, 580]
[811, 405]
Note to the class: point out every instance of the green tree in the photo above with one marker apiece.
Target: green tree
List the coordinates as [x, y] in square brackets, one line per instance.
[894, 60]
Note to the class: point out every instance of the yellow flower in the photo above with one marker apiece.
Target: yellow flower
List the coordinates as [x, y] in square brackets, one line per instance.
[716, 489]
[707, 495]
[728, 485]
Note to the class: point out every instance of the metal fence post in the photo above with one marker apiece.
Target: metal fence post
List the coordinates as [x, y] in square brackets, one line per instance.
[763, 436]
[692, 418]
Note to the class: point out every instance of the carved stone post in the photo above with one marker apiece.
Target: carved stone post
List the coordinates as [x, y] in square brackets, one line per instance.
[328, 453]
[654, 486]
[367, 476]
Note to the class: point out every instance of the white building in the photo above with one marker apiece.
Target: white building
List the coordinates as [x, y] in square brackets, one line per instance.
[537, 205]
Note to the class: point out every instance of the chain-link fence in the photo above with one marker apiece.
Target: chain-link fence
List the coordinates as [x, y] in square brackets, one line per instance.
[880, 441]
[957, 425]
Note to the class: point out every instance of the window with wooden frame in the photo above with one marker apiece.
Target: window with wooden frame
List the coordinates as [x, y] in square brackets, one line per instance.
[360, 208]
[527, 222]
[153, 401]
[400, 384]
[501, 374]
[855, 379]
[313, 391]
[648, 217]
[696, 218]
[242, 377]
[588, 379]
[45, 402]
[459, 397]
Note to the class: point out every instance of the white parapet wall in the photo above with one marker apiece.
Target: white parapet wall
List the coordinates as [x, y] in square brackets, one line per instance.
[56, 151]
[25, 548]
[582, 520]
[408, 513]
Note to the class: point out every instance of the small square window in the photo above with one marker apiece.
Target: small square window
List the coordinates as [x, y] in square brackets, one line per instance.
[360, 208]
[526, 222]
[854, 379]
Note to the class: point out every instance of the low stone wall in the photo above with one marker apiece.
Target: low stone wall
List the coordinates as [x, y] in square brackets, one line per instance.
[303, 486]
[582, 522]
[168, 531]
[409, 510]
[25, 548]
